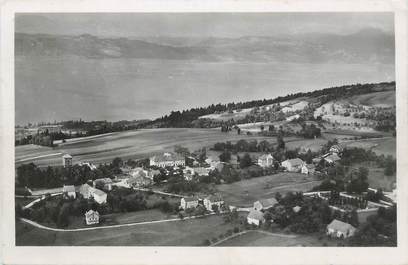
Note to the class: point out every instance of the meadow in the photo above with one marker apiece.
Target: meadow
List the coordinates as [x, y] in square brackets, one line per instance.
[245, 192]
[257, 239]
[178, 233]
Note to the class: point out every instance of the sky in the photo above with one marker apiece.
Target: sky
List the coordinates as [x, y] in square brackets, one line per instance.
[201, 25]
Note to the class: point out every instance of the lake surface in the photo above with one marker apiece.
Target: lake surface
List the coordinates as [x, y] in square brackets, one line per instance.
[62, 88]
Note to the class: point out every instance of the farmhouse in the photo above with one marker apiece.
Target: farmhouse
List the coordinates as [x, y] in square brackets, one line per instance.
[265, 160]
[293, 165]
[167, 160]
[69, 191]
[212, 200]
[86, 191]
[333, 158]
[336, 149]
[105, 183]
[138, 182]
[340, 229]
[99, 196]
[308, 169]
[188, 202]
[91, 217]
[265, 204]
[66, 160]
[255, 217]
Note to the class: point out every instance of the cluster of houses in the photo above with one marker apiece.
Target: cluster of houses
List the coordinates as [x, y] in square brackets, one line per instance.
[87, 191]
[298, 165]
[209, 202]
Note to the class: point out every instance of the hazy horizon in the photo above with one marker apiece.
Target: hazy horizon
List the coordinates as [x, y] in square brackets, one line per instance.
[64, 79]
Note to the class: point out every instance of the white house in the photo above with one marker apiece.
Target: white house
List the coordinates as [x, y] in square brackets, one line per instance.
[69, 191]
[265, 160]
[308, 169]
[340, 229]
[255, 217]
[293, 165]
[188, 202]
[99, 196]
[67, 160]
[213, 200]
[86, 191]
[167, 160]
[265, 204]
[91, 217]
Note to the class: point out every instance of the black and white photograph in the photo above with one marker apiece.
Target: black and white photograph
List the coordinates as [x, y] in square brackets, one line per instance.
[205, 129]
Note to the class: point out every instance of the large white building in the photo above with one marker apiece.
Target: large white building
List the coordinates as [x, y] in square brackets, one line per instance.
[167, 160]
[255, 217]
[213, 200]
[293, 165]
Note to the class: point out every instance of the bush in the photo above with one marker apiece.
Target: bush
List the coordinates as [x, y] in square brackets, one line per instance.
[236, 230]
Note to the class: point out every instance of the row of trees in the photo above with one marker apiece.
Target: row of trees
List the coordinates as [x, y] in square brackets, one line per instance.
[32, 176]
[186, 118]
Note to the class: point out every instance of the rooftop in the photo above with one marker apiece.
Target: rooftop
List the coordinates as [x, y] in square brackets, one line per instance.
[268, 202]
[257, 215]
[68, 188]
[190, 199]
[99, 192]
[167, 157]
[295, 161]
[340, 226]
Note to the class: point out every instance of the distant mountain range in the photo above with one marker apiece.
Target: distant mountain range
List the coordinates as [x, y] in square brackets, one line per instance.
[366, 46]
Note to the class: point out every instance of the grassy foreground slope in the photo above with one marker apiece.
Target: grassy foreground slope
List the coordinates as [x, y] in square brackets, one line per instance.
[177, 233]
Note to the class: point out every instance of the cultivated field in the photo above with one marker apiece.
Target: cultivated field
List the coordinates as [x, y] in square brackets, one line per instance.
[178, 233]
[245, 192]
[130, 144]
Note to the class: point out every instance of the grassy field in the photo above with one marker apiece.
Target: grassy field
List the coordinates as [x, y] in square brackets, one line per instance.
[245, 192]
[178, 233]
[130, 144]
[385, 146]
[256, 239]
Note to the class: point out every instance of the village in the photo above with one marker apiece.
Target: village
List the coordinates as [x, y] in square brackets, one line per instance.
[186, 171]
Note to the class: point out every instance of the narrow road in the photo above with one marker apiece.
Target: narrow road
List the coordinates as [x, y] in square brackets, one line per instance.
[36, 157]
[35, 224]
[247, 231]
